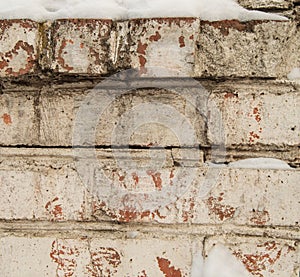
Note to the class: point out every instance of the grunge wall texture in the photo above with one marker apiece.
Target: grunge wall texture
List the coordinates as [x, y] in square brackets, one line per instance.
[51, 225]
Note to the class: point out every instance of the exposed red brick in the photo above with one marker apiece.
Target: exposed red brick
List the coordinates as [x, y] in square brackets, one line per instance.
[60, 59]
[260, 217]
[267, 254]
[105, 262]
[220, 210]
[168, 271]
[156, 177]
[181, 41]
[225, 25]
[155, 37]
[6, 119]
[55, 211]
[65, 258]
[141, 48]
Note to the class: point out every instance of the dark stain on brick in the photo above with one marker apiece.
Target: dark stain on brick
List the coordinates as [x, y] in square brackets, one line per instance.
[222, 211]
[167, 269]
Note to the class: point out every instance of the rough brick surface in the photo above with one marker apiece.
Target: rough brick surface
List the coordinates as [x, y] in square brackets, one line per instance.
[155, 43]
[253, 49]
[262, 115]
[18, 48]
[54, 191]
[145, 202]
[257, 113]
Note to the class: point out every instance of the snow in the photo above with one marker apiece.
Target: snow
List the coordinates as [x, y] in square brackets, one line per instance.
[260, 163]
[294, 74]
[257, 163]
[220, 262]
[211, 10]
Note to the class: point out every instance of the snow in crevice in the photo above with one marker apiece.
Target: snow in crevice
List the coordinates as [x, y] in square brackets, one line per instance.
[219, 262]
[211, 10]
[255, 163]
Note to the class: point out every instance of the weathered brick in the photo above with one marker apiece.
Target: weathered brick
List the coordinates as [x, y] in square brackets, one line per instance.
[145, 110]
[262, 257]
[18, 124]
[163, 47]
[82, 46]
[54, 191]
[251, 49]
[106, 256]
[256, 115]
[18, 47]
[264, 114]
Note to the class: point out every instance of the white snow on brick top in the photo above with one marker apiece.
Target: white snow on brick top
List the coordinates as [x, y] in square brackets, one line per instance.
[256, 163]
[261, 163]
[211, 10]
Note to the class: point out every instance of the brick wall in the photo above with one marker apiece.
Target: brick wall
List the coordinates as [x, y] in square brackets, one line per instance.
[106, 131]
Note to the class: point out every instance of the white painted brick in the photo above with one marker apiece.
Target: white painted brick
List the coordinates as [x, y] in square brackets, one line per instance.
[106, 256]
[257, 115]
[18, 119]
[54, 191]
[26, 257]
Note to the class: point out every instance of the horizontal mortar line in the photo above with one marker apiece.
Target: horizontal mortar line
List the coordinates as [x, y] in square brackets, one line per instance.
[39, 228]
[108, 147]
[274, 9]
[57, 78]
